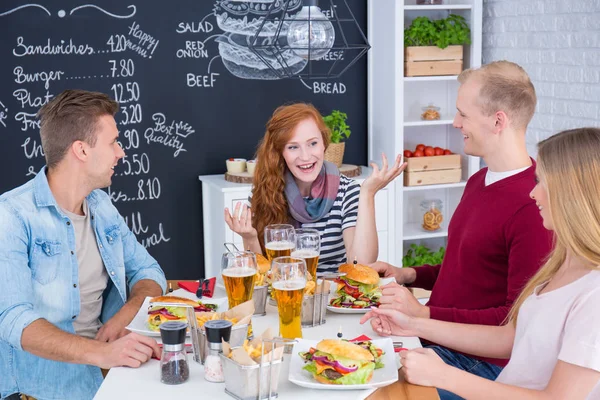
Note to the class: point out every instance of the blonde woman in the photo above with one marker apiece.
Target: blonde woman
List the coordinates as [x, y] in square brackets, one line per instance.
[553, 331]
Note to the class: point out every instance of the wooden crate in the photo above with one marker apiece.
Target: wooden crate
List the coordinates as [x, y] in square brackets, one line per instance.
[432, 170]
[433, 61]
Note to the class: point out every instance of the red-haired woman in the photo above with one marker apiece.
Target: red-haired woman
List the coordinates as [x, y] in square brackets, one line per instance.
[294, 184]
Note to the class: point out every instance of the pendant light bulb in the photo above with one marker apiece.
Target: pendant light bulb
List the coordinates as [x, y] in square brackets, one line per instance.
[311, 34]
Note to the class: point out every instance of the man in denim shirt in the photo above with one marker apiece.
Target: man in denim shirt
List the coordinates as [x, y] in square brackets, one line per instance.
[66, 260]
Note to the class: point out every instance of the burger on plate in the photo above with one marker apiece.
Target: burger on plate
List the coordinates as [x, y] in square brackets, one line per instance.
[339, 362]
[159, 314]
[359, 288]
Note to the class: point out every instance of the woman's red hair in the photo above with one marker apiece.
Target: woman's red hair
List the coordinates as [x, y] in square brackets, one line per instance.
[269, 204]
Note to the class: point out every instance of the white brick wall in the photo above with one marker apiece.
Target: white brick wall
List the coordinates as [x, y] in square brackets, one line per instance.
[558, 44]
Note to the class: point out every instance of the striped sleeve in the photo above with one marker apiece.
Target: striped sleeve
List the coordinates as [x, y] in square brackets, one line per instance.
[350, 203]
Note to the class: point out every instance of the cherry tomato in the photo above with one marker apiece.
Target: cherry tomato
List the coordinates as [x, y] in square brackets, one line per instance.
[429, 151]
[407, 154]
[418, 153]
[447, 152]
[421, 147]
[438, 151]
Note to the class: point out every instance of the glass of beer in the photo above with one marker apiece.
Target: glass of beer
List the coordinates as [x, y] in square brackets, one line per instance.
[238, 269]
[289, 281]
[308, 247]
[279, 240]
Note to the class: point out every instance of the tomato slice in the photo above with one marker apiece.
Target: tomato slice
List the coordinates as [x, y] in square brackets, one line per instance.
[171, 317]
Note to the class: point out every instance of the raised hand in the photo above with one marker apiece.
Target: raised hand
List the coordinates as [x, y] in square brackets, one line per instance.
[241, 221]
[379, 178]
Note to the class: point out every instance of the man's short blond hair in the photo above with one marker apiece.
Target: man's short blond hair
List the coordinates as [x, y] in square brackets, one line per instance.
[505, 86]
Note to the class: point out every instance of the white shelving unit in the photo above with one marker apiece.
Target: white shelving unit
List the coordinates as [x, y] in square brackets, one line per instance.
[395, 103]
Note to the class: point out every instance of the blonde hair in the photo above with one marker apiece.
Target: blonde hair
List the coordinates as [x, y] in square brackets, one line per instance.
[505, 86]
[569, 162]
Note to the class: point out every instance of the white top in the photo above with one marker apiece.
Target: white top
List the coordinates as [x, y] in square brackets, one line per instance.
[563, 324]
[493, 177]
[93, 277]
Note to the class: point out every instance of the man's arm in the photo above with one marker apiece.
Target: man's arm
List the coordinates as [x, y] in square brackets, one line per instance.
[44, 340]
[24, 329]
[145, 279]
[425, 276]
[529, 243]
[114, 328]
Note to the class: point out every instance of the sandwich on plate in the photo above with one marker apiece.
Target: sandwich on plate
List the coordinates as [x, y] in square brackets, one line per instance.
[339, 362]
[359, 288]
[159, 314]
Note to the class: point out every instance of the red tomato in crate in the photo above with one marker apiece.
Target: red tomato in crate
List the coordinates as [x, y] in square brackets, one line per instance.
[418, 153]
[421, 147]
[408, 154]
[429, 151]
[447, 152]
[438, 151]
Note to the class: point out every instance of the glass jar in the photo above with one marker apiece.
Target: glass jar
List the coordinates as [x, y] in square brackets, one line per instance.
[174, 367]
[217, 331]
[430, 113]
[432, 214]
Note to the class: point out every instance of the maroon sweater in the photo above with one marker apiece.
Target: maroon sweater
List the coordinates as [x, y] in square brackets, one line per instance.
[496, 242]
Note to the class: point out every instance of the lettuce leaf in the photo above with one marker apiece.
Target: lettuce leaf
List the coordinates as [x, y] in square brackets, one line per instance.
[177, 311]
[357, 377]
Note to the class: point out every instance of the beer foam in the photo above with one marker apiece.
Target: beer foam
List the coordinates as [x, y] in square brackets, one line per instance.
[280, 245]
[305, 253]
[293, 284]
[239, 272]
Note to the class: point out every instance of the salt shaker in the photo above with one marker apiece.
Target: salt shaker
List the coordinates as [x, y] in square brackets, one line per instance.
[174, 368]
[216, 331]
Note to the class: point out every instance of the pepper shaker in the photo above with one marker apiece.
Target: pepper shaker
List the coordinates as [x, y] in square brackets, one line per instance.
[217, 331]
[174, 368]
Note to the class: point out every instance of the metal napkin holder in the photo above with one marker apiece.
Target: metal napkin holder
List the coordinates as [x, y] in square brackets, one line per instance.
[318, 301]
[238, 385]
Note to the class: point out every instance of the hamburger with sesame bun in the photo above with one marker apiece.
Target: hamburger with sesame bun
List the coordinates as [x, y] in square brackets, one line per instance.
[359, 288]
[339, 362]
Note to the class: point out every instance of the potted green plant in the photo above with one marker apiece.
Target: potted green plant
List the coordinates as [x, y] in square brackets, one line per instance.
[418, 255]
[435, 47]
[336, 122]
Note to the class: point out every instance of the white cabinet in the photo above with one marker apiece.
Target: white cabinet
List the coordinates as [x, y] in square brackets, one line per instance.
[395, 105]
[217, 194]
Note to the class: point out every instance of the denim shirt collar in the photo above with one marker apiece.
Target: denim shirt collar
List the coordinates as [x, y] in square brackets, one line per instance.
[44, 197]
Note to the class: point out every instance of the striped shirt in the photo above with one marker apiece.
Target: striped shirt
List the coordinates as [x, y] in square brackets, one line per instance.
[343, 215]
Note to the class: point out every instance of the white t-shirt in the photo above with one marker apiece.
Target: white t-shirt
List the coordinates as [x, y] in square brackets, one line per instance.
[563, 324]
[493, 177]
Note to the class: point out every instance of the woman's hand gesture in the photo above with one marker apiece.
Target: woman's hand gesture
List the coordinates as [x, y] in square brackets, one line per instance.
[379, 178]
[241, 222]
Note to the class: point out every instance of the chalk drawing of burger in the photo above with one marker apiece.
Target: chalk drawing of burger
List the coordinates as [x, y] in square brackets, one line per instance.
[240, 20]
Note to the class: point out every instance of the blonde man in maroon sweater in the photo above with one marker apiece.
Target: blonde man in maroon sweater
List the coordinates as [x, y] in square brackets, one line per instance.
[496, 239]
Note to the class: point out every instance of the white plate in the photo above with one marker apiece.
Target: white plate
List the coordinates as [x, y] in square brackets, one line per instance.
[381, 377]
[139, 324]
[344, 310]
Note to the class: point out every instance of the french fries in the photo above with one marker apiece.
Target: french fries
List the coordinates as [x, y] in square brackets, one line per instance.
[309, 290]
[201, 320]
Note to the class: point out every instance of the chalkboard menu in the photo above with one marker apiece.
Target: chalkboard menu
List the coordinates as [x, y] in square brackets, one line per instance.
[191, 95]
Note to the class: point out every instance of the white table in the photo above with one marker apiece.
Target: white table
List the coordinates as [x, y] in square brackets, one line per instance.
[144, 383]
